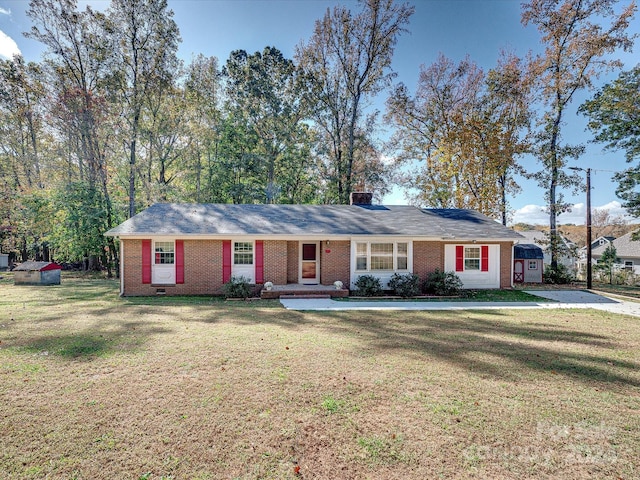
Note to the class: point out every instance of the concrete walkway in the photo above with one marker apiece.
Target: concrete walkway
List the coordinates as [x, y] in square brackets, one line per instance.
[561, 298]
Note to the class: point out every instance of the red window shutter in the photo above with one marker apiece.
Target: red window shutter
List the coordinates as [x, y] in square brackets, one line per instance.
[226, 261]
[259, 260]
[459, 258]
[179, 261]
[484, 258]
[146, 261]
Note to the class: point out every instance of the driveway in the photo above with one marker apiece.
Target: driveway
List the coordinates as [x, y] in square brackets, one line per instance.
[561, 299]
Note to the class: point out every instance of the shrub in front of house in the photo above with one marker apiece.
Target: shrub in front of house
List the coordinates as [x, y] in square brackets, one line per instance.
[237, 287]
[559, 276]
[368, 286]
[405, 285]
[443, 283]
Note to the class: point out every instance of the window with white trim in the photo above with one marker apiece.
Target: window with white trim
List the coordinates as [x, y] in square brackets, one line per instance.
[243, 253]
[472, 258]
[402, 254]
[164, 253]
[533, 265]
[381, 256]
[362, 257]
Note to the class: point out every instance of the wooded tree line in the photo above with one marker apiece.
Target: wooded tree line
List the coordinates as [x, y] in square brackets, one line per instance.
[110, 121]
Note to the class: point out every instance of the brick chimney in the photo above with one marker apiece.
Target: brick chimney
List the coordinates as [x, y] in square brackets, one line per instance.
[360, 198]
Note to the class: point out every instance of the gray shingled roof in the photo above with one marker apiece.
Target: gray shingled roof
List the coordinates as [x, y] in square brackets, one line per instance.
[298, 220]
[528, 251]
[625, 247]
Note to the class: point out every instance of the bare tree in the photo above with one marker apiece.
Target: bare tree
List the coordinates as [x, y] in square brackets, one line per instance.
[348, 60]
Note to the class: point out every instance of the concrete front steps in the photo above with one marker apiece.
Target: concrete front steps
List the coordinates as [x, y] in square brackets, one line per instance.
[294, 290]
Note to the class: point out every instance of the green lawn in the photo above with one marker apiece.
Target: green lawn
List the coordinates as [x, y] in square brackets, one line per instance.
[94, 386]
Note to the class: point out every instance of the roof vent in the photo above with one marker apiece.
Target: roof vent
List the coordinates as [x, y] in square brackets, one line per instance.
[360, 198]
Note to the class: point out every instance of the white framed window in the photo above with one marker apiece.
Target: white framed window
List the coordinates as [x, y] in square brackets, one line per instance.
[243, 253]
[164, 253]
[533, 265]
[362, 256]
[628, 264]
[381, 256]
[472, 258]
[402, 256]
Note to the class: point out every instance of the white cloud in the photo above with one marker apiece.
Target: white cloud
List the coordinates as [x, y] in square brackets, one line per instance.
[537, 214]
[8, 47]
[4, 11]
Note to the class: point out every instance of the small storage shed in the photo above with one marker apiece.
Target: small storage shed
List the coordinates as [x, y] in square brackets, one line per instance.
[4, 261]
[527, 263]
[37, 273]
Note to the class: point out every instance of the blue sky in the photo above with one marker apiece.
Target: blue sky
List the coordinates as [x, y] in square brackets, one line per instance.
[456, 28]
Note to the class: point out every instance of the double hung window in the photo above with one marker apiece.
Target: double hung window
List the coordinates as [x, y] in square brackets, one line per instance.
[243, 253]
[381, 256]
[472, 258]
[164, 253]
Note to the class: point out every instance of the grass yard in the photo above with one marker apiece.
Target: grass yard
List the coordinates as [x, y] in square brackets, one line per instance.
[93, 386]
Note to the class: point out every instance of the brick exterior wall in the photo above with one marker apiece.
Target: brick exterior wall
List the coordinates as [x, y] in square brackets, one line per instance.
[202, 269]
[203, 265]
[427, 256]
[506, 260]
[335, 265]
[276, 261]
[292, 261]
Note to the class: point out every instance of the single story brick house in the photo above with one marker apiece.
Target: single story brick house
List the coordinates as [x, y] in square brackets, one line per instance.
[185, 249]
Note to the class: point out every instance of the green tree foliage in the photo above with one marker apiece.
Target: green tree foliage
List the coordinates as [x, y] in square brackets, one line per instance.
[22, 92]
[579, 38]
[614, 117]
[607, 261]
[145, 40]
[79, 225]
[78, 52]
[203, 93]
[24, 144]
[264, 98]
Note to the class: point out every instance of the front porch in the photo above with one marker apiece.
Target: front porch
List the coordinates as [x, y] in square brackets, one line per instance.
[297, 290]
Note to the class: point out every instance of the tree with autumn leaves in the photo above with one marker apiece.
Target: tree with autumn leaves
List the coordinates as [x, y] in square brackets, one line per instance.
[580, 38]
[112, 121]
[465, 130]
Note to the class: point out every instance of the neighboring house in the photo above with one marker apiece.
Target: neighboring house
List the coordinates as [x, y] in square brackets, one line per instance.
[599, 242]
[527, 263]
[581, 261]
[196, 248]
[539, 238]
[627, 250]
